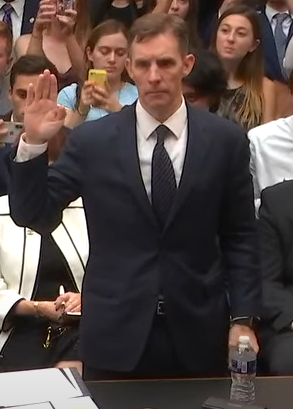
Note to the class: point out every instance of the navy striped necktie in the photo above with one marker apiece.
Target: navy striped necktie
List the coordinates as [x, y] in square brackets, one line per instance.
[163, 178]
[8, 10]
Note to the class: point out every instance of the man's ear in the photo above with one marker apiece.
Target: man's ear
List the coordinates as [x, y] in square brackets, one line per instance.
[188, 64]
[128, 68]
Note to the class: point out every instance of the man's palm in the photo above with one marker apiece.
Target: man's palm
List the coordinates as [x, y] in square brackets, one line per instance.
[44, 118]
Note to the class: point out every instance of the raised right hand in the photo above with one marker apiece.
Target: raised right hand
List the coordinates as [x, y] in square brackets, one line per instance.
[43, 118]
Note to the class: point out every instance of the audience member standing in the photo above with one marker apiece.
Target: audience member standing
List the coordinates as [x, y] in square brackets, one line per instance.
[169, 205]
[60, 37]
[250, 97]
[19, 15]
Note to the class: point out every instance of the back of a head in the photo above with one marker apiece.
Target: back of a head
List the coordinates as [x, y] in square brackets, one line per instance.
[155, 24]
[31, 65]
[207, 77]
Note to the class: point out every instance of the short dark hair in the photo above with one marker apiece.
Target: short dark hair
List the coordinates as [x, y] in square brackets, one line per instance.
[31, 65]
[151, 25]
[207, 76]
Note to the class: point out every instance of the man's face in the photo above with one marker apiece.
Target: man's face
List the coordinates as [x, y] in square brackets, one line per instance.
[157, 67]
[19, 94]
[4, 56]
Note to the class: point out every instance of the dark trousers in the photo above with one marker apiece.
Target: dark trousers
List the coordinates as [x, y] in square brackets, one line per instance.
[159, 359]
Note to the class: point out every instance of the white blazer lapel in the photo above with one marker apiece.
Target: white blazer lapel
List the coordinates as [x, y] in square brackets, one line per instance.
[71, 237]
[32, 245]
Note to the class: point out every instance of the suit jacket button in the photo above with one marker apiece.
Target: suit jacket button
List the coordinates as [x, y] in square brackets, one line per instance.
[30, 232]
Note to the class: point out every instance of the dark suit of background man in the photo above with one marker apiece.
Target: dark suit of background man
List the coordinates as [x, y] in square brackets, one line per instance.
[276, 235]
[154, 296]
[20, 14]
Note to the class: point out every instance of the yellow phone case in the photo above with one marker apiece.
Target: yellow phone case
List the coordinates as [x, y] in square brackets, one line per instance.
[98, 76]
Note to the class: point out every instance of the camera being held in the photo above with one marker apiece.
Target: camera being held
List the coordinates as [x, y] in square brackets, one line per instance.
[64, 5]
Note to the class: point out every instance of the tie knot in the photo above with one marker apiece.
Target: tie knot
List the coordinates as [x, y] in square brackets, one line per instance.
[162, 131]
[281, 17]
[7, 8]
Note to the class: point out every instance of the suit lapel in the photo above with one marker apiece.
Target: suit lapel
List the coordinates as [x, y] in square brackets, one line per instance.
[130, 161]
[71, 237]
[194, 163]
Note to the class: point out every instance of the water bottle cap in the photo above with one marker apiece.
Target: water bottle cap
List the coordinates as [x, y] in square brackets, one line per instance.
[244, 339]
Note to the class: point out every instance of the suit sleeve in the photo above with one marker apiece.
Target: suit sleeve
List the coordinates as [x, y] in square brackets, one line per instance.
[238, 235]
[38, 193]
[278, 302]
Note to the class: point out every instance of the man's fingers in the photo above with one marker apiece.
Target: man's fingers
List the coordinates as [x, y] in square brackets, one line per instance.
[46, 85]
[30, 95]
[53, 88]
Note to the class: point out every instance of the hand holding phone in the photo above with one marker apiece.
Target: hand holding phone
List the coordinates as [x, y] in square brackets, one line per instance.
[98, 77]
[64, 5]
[11, 131]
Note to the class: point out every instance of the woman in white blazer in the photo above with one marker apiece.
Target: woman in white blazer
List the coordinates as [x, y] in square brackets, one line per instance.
[32, 268]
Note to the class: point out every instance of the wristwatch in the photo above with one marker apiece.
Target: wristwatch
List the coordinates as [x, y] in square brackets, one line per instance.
[247, 321]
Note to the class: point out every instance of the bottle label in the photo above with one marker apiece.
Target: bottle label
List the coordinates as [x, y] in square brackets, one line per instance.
[243, 367]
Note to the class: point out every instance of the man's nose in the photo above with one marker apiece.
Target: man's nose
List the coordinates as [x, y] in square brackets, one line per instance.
[154, 74]
[174, 5]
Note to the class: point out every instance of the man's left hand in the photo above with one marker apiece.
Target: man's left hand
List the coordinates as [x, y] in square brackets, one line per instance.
[237, 331]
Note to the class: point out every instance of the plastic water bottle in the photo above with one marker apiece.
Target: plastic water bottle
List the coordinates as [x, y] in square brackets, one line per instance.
[243, 371]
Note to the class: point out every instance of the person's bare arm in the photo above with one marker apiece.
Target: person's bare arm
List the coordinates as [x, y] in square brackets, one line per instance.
[269, 93]
[162, 6]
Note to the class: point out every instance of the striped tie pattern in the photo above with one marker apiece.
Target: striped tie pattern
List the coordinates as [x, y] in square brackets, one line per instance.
[8, 9]
[163, 178]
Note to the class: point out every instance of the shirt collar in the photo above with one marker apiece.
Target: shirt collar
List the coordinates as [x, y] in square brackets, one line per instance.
[270, 12]
[147, 124]
[18, 6]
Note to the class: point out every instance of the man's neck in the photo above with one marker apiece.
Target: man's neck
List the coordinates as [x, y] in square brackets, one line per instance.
[161, 115]
[280, 7]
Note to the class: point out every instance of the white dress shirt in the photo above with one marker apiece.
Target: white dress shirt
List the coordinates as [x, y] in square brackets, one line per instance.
[271, 161]
[16, 16]
[270, 13]
[175, 143]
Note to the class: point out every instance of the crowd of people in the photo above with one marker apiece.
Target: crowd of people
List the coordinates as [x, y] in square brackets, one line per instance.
[146, 221]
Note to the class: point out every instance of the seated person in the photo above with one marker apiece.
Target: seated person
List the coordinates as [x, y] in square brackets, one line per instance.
[106, 49]
[271, 147]
[35, 331]
[56, 34]
[206, 83]
[5, 64]
[25, 71]
[276, 239]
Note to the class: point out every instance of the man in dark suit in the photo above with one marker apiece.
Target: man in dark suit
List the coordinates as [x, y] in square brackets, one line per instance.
[276, 32]
[169, 205]
[276, 237]
[20, 15]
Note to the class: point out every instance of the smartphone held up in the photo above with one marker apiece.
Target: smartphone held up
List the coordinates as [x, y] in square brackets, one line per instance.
[98, 77]
[64, 5]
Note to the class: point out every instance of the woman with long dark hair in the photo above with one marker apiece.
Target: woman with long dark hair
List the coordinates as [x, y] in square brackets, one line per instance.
[249, 99]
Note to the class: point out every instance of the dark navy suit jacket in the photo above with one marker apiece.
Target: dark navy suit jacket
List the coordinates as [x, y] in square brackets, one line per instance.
[272, 66]
[29, 14]
[131, 259]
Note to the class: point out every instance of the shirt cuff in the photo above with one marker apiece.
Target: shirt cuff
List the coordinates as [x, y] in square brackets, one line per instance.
[26, 151]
